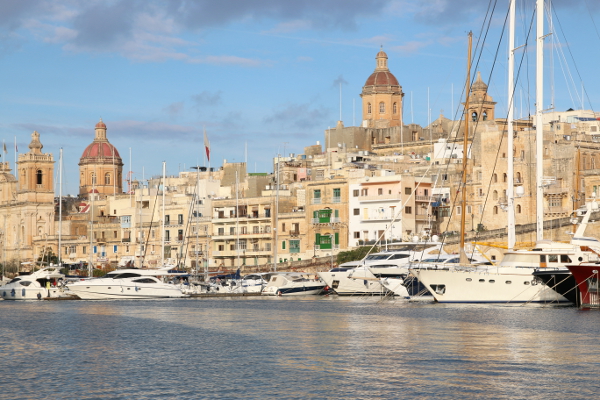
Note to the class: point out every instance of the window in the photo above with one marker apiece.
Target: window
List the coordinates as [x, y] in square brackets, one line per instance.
[294, 246]
[408, 210]
[356, 211]
[356, 235]
[407, 190]
[95, 249]
[84, 249]
[232, 230]
[382, 108]
[337, 194]
[494, 178]
[115, 249]
[39, 176]
[107, 178]
[180, 235]
[355, 193]
[114, 234]
[364, 192]
[317, 196]
[283, 227]
[395, 108]
[495, 195]
[444, 177]
[283, 245]
[93, 178]
[555, 202]
[221, 247]
[167, 219]
[495, 210]
[458, 210]
[368, 108]
[167, 235]
[518, 209]
[180, 219]
[379, 191]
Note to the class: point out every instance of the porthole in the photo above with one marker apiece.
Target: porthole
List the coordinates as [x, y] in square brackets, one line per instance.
[109, 287]
[526, 283]
[469, 279]
[482, 280]
[128, 288]
[508, 282]
[492, 281]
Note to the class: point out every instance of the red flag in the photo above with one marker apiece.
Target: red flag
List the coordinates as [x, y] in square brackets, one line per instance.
[207, 146]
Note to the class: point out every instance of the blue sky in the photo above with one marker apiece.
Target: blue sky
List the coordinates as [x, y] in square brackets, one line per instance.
[262, 72]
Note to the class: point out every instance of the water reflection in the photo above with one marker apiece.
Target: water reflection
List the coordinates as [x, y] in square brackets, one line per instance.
[295, 348]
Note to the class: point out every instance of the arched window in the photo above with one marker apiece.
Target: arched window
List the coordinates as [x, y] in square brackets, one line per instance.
[107, 178]
[382, 108]
[518, 209]
[395, 108]
[485, 115]
[93, 178]
[495, 195]
[474, 116]
[38, 176]
[495, 178]
[495, 210]
[518, 177]
[368, 108]
[504, 178]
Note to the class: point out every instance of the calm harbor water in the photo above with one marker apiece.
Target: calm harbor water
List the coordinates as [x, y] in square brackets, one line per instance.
[314, 347]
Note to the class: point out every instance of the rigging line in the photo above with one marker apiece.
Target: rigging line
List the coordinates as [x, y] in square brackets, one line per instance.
[592, 18]
[152, 219]
[573, 59]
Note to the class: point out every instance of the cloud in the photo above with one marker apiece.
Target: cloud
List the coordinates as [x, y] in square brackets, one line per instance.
[207, 98]
[153, 130]
[299, 116]
[174, 109]
[411, 47]
[339, 81]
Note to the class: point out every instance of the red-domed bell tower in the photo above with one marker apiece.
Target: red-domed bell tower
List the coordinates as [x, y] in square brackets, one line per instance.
[100, 166]
[382, 96]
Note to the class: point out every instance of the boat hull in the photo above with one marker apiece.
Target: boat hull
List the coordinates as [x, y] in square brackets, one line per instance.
[345, 285]
[486, 286]
[561, 281]
[586, 278]
[293, 291]
[106, 292]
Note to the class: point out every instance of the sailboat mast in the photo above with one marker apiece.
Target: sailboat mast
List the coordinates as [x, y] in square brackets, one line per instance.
[237, 219]
[59, 208]
[162, 252]
[511, 108]
[539, 127]
[463, 191]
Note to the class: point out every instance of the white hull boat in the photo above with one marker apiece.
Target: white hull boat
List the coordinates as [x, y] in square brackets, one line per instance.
[293, 284]
[127, 284]
[36, 286]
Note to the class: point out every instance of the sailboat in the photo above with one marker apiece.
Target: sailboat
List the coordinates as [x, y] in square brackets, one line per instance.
[512, 279]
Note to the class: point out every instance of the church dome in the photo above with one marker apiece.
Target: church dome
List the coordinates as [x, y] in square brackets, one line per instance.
[382, 78]
[100, 150]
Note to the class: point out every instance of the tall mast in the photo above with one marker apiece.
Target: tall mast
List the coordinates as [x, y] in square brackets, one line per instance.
[237, 218]
[60, 208]
[539, 128]
[197, 216]
[463, 188]
[162, 252]
[277, 215]
[511, 109]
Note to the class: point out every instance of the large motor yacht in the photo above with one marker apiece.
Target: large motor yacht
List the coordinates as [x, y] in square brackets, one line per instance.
[293, 283]
[127, 284]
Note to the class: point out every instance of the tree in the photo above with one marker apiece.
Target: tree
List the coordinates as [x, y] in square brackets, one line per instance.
[355, 255]
[48, 257]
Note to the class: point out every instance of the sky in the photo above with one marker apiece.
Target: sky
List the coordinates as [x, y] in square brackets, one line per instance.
[263, 75]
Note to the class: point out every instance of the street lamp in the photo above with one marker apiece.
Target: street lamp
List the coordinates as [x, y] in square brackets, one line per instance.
[472, 223]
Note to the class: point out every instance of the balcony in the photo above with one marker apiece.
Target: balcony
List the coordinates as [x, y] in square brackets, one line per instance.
[337, 199]
[376, 218]
[427, 199]
[315, 201]
[333, 220]
[425, 217]
[381, 197]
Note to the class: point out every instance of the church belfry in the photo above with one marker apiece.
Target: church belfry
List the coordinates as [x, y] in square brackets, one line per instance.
[382, 96]
[481, 104]
[36, 172]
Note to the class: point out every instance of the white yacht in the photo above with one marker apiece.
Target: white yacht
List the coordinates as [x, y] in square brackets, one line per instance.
[127, 284]
[509, 282]
[35, 286]
[252, 283]
[293, 283]
[357, 277]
